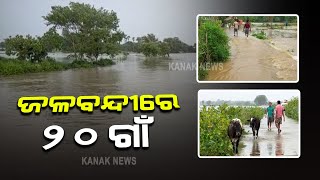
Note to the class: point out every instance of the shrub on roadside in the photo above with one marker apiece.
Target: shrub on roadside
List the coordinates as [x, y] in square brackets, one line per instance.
[213, 44]
[292, 109]
[214, 122]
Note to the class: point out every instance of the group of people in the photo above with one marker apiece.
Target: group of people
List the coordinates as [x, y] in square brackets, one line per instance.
[275, 114]
[237, 24]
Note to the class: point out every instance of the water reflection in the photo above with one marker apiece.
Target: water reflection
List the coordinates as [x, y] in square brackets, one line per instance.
[255, 148]
[270, 143]
[270, 148]
[279, 146]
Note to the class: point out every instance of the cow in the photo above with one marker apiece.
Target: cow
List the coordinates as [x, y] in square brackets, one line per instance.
[234, 133]
[255, 125]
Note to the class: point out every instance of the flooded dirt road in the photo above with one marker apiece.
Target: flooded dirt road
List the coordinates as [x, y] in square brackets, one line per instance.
[270, 143]
[253, 59]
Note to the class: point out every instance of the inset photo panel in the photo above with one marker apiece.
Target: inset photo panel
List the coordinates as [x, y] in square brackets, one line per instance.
[249, 124]
[247, 48]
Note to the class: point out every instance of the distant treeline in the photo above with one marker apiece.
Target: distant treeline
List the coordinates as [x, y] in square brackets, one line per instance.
[230, 103]
[154, 46]
[262, 19]
[258, 19]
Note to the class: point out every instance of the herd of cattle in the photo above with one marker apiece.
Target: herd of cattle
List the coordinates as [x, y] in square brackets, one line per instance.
[235, 131]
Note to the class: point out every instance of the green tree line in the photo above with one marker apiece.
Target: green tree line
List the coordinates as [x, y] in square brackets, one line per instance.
[265, 19]
[149, 45]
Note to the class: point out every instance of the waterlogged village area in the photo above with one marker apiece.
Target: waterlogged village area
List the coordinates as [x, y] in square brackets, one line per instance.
[218, 109]
[269, 50]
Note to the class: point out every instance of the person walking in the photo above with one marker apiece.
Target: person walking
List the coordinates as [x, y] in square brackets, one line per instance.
[279, 116]
[270, 115]
[247, 28]
[235, 27]
[286, 24]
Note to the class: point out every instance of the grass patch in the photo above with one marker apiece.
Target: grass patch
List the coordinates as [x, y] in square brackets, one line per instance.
[202, 73]
[261, 35]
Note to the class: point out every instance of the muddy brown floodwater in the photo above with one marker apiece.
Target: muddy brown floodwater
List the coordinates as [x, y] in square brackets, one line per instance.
[22, 136]
[270, 143]
[253, 59]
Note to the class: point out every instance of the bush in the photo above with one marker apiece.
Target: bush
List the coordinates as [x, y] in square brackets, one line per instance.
[292, 109]
[202, 73]
[26, 48]
[80, 64]
[213, 44]
[214, 140]
[214, 122]
[15, 66]
[103, 62]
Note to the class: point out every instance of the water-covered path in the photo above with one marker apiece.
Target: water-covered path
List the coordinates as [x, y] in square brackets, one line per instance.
[270, 143]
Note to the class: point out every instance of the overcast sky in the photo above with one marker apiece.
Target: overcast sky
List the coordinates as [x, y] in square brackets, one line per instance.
[247, 95]
[164, 18]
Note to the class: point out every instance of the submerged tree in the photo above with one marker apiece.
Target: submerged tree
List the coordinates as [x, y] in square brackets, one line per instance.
[26, 48]
[33, 48]
[149, 45]
[177, 46]
[52, 40]
[88, 31]
[164, 49]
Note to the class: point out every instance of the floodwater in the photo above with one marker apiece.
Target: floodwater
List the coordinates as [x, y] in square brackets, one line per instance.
[136, 75]
[23, 135]
[254, 60]
[270, 143]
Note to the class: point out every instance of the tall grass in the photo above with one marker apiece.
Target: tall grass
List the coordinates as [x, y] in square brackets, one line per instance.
[214, 122]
